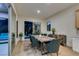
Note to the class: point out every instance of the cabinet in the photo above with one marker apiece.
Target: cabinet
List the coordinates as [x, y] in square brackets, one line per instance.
[77, 19]
[62, 38]
[75, 44]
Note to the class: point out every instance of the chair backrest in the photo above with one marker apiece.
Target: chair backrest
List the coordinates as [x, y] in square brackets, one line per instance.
[53, 46]
[44, 34]
[31, 39]
[34, 41]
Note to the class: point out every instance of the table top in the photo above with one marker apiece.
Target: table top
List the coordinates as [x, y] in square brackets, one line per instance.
[43, 38]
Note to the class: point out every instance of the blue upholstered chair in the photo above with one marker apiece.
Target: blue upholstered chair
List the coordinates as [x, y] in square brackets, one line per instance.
[53, 46]
[44, 34]
[34, 41]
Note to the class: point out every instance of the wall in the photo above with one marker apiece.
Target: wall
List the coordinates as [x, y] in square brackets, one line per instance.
[64, 22]
[12, 26]
[21, 24]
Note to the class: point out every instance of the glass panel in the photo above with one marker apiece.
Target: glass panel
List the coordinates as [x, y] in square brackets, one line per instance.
[3, 30]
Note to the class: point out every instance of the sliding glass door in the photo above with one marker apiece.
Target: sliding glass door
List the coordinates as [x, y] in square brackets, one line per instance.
[4, 37]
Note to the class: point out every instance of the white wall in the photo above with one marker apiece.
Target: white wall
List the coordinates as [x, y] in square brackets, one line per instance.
[12, 26]
[64, 22]
[21, 24]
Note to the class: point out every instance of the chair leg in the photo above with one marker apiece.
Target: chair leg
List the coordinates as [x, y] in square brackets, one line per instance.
[57, 53]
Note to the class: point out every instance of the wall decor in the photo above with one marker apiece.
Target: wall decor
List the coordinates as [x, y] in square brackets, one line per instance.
[48, 26]
[28, 28]
[37, 28]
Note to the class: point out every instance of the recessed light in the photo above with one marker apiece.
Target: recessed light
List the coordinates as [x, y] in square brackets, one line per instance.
[38, 11]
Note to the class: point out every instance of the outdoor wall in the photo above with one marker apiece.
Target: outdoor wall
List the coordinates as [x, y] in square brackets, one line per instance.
[64, 23]
[21, 24]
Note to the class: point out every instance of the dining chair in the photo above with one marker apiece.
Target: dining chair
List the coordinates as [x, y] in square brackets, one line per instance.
[44, 34]
[34, 42]
[52, 47]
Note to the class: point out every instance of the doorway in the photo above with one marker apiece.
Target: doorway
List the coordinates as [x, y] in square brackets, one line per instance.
[28, 29]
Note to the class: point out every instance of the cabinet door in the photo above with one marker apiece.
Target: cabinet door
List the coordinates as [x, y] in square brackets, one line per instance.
[77, 19]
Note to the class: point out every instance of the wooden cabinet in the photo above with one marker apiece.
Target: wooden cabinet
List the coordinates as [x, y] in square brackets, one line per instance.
[77, 19]
[75, 44]
[62, 38]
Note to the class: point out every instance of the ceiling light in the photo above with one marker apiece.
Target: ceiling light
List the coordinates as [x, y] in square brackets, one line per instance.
[38, 11]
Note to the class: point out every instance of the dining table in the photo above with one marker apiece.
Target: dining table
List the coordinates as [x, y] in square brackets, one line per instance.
[43, 40]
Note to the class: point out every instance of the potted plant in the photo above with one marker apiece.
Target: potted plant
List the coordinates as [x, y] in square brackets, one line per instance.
[53, 31]
[13, 37]
[20, 36]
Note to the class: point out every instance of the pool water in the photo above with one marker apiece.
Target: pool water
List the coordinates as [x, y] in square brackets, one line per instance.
[4, 36]
[4, 44]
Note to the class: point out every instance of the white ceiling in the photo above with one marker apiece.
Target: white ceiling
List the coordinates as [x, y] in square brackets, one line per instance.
[47, 9]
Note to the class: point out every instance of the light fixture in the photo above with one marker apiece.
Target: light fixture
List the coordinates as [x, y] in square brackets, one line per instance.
[38, 11]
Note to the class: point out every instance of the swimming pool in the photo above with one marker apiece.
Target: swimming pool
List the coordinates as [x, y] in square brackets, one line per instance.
[4, 36]
[4, 44]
